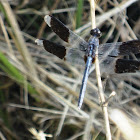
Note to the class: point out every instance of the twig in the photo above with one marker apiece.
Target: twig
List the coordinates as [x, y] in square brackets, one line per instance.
[113, 93]
[98, 77]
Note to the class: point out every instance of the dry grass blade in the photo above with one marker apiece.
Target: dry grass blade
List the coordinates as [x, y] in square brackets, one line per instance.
[6, 36]
[25, 67]
[114, 11]
[20, 43]
[98, 77]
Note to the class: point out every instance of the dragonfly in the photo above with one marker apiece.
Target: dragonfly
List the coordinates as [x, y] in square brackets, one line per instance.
[110, 54]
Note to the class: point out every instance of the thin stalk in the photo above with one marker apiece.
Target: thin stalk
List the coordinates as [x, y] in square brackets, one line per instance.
[98, 77]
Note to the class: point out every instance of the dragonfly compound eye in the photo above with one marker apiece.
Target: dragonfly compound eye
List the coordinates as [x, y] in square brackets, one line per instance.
[96, 32]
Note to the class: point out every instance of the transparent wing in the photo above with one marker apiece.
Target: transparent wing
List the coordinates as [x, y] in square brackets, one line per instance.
[112, 65]
[120, 48]
[72, 55]
[75, 56]
[65, 34]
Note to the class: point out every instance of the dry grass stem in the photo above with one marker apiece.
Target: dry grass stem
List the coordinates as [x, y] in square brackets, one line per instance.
[98, 77]
[40, 91]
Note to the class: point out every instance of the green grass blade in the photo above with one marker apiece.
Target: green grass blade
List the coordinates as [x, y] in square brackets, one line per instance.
[13, 72]
[79, 13]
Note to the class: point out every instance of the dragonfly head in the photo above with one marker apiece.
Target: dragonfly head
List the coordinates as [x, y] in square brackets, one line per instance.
[96, 32]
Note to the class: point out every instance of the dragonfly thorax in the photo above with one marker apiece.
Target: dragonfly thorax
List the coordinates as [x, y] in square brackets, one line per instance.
[90, 50]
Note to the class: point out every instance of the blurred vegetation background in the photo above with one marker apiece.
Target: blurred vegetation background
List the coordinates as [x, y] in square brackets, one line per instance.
[39, 92]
